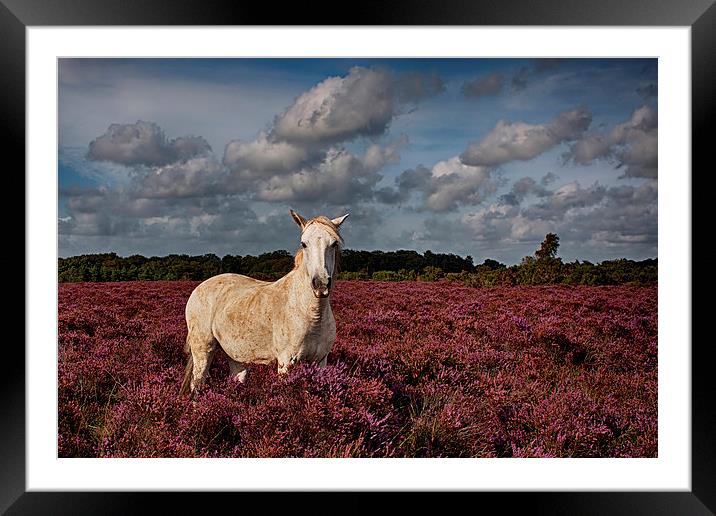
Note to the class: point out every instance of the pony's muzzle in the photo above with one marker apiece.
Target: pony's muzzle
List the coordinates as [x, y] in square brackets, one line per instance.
[321, 287]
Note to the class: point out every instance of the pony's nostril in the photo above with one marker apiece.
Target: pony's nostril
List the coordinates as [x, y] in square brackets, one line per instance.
[314, 283]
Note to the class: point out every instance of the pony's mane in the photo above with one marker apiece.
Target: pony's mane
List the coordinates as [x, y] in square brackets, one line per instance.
[298, 259]
[332, 230]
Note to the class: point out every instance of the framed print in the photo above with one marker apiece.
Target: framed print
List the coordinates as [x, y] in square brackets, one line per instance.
[310, 199]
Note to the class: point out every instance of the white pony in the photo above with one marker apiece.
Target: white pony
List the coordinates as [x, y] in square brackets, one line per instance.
[288, 320]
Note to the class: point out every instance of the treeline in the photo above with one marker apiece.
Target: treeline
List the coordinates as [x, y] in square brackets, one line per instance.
[547, 271]
[364, 265]
[550, 271]
[110, 267]
[273, 265]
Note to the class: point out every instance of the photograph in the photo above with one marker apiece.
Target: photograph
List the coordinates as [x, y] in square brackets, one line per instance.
[357, 257]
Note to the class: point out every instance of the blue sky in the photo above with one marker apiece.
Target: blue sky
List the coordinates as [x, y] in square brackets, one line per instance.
[471, 156]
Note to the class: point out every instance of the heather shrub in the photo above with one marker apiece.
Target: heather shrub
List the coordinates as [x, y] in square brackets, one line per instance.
[418, 369]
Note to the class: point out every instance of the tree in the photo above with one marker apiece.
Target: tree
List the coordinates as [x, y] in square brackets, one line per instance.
[491, 264]
[549, 247]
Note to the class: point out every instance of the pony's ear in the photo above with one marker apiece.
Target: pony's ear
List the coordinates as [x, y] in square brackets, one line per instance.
[338, 221]
[299, 220]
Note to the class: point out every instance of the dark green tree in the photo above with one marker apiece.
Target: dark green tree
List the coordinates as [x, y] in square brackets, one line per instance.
[549, 247]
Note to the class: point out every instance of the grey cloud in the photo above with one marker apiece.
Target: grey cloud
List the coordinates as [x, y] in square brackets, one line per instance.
[632, 145]
[606, 222]
[447, 185]
[524, 74]
[510, 141]
[228, 227]
[194, 177]
[144, 143]
[118, 213]
[362, 103]
[93, 224]
[262, 169]
[526, 187]
[413, 179]
[555, 204]
[548, 179]
[483, 86]
[635, 144]
[628, 215]
[99, 219]
[414, 86]
[263, 155]
[341, 177]
[388, 195]
[590, 148]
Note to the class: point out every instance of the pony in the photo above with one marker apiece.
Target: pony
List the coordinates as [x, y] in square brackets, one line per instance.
[256, 322]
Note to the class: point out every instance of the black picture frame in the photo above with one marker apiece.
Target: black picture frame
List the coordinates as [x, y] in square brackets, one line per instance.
[700, 15]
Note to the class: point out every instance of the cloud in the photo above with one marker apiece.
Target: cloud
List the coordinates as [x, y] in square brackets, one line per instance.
[590, 148]
[525, 187]
[483, 86]
[416, 86]
[121, 214]
[510, 141]
[340, 178]
[100, 218]
[200, 176]
[179, 190]
[468, 179]
[144, 143]
[362, 103]
[264, 156]
[299, 158]
[449, 184]
[631, 145]
[524, 74]
[555, 204]
[594, 215]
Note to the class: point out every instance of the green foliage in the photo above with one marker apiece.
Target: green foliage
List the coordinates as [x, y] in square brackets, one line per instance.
[431, 273]
[399, 275]
[550, 271]
[548, 248]
[350, 275]
[373, 261]
[361, 265]
[402, 265]
[110, 267]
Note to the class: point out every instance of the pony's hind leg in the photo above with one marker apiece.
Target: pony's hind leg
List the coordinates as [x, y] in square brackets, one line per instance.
[238, 370]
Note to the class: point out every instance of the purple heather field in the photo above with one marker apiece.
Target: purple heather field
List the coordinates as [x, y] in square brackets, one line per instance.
[418, 369]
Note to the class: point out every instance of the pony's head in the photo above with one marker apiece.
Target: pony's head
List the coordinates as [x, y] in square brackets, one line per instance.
[320, 248]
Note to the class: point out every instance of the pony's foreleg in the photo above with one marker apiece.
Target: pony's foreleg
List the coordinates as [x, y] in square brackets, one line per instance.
[202, 360]
[285, 361]
[238, 370]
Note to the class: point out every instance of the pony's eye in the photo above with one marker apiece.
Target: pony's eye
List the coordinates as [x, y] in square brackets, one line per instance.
[334, 244]
[303, 244]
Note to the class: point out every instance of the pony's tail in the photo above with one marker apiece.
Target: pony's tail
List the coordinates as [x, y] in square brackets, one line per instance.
[186, 385]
